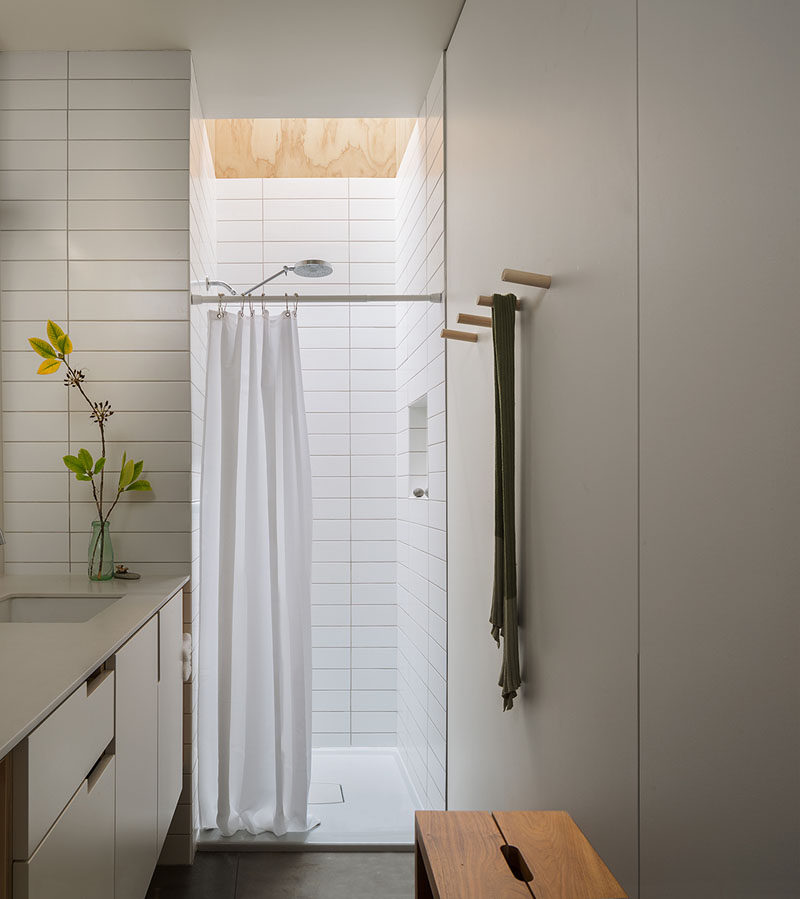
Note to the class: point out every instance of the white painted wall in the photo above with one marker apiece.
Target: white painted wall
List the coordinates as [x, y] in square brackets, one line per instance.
[94, 193]
[720, 450]
[541, 175]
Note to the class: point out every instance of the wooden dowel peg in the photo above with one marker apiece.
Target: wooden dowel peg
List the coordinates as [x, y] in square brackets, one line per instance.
[489, 301]
[450, 334]
[480, 321]
[530, 279]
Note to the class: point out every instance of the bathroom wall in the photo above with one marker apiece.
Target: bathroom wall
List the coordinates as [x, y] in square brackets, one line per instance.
[541, 175]
[421, 523]
[644, 155]
[348, 359]
[94, 193]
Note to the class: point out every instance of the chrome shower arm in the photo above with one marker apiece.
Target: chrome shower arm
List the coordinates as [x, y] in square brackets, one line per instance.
[210, 284]
[284, 271]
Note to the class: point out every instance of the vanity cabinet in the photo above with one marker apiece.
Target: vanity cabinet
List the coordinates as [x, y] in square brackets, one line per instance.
[170, 712]
[136, 742]
[87, 797]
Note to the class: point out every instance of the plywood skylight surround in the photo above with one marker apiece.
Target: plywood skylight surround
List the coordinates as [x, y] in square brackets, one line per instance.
[309, 148]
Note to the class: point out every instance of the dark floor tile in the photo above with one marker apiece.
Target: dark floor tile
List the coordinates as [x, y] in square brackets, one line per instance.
[212, 876]
[325, 875]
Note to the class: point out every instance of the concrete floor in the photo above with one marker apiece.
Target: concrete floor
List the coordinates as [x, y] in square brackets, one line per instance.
[288, 875]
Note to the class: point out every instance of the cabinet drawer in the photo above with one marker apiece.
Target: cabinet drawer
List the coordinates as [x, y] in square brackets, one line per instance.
[51, 763]
[76, 858]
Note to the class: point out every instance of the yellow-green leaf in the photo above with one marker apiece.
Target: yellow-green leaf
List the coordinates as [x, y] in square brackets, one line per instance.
[85, 458]
[137, 469]
[48, 367]
[54, 331]
[73, 464]
[42, 347]
[126, 475]
[139, 485]
[64, 344]
[99, 464]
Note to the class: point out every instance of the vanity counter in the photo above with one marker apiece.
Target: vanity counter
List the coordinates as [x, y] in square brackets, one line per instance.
[41, 664]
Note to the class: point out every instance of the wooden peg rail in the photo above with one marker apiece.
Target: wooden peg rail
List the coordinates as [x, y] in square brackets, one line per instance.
[530, 279]
[480, 321]
[451, 334]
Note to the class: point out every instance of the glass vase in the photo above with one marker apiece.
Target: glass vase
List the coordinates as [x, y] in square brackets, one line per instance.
[101, 553]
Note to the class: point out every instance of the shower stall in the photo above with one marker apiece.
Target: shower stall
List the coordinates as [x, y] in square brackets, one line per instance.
[374, 387]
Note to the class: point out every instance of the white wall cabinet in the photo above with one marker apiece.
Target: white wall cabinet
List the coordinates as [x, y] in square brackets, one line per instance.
[170, 712]
[136, 743]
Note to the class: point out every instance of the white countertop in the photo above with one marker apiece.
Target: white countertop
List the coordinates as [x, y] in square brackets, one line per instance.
[41, 664]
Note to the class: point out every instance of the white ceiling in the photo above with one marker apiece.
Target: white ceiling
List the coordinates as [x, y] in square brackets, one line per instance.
[261, 58]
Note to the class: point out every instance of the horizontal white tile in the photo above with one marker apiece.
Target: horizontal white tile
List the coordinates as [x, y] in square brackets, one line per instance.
[372, 188]
[327, 401]
[300, 230]
[127, 215]
[374, 700]
[374, 722]
[330, 722]
[330, 701]
[35, 124]
[330, 636]
[305, 188]
[372, 508]
[330, 529]
[125, 124]
[236, 231]
[129, 275]
[40, 275]
[373, 572]
[95, 155]
[374, 679]
[122, 305]
[109, 336]
[331, 508]
[331, 551]
[35, 487]
[33, 185]
[238, 210]
[330, 657]
[370, 657]
[372, 273]
[33, 547]
[239, 188]
[372, 594]
[128, 185]
[37, 94]
[330, 572]
[330, 679]
[110, 245]
[330, 466]
[21, 245]
[28, 64]
[147, 64]
[118, 93]
[314, 210]
[325, 359]
[329, 444]
[332, 594]
[372, 209]
[36, 457]
[372, 359]
[373, 422]
[372, 230]
[324, 338]
[373, 251]
[278, 252]
[22, 155]
[34, 517]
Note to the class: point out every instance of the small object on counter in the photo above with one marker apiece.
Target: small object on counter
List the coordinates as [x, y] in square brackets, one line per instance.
[121, 572]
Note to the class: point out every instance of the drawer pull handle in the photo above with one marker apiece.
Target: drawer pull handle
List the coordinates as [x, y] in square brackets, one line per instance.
[97, 772]
[97, 679]
[516, 863]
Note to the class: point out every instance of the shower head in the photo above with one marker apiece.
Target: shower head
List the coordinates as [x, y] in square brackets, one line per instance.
[312, 268]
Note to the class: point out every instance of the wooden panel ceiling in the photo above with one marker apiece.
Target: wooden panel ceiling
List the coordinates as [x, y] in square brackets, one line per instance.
[309, 148]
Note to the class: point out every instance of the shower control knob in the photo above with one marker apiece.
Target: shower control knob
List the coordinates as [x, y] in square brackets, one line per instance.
[419, 492]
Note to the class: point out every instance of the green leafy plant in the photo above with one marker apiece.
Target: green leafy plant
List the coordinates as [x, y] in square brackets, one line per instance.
[55, 352]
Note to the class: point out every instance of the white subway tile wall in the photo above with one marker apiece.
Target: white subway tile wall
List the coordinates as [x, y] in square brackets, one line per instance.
[348, 358]
[94, 233]
[421, 523]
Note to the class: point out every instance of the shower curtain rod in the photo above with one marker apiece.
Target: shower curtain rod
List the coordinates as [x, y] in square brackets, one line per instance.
[238, 300]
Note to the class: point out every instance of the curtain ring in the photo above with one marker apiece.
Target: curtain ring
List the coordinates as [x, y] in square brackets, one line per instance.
[263, 310]
[250, 304]
[241, 309]
[220, 307]
[287, 313]
[296, 301]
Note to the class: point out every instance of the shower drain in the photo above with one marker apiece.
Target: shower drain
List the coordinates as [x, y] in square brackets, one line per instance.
[325, 794]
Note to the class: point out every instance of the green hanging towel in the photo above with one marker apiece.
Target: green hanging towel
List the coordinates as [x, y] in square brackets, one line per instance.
[504, 597]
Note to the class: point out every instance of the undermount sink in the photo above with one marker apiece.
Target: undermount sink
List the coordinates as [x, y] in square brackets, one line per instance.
[23, 608]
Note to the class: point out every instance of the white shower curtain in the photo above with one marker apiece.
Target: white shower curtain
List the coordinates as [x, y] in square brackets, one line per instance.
[254, 656]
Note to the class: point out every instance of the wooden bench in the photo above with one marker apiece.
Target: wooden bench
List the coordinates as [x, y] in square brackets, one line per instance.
[505, 855]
